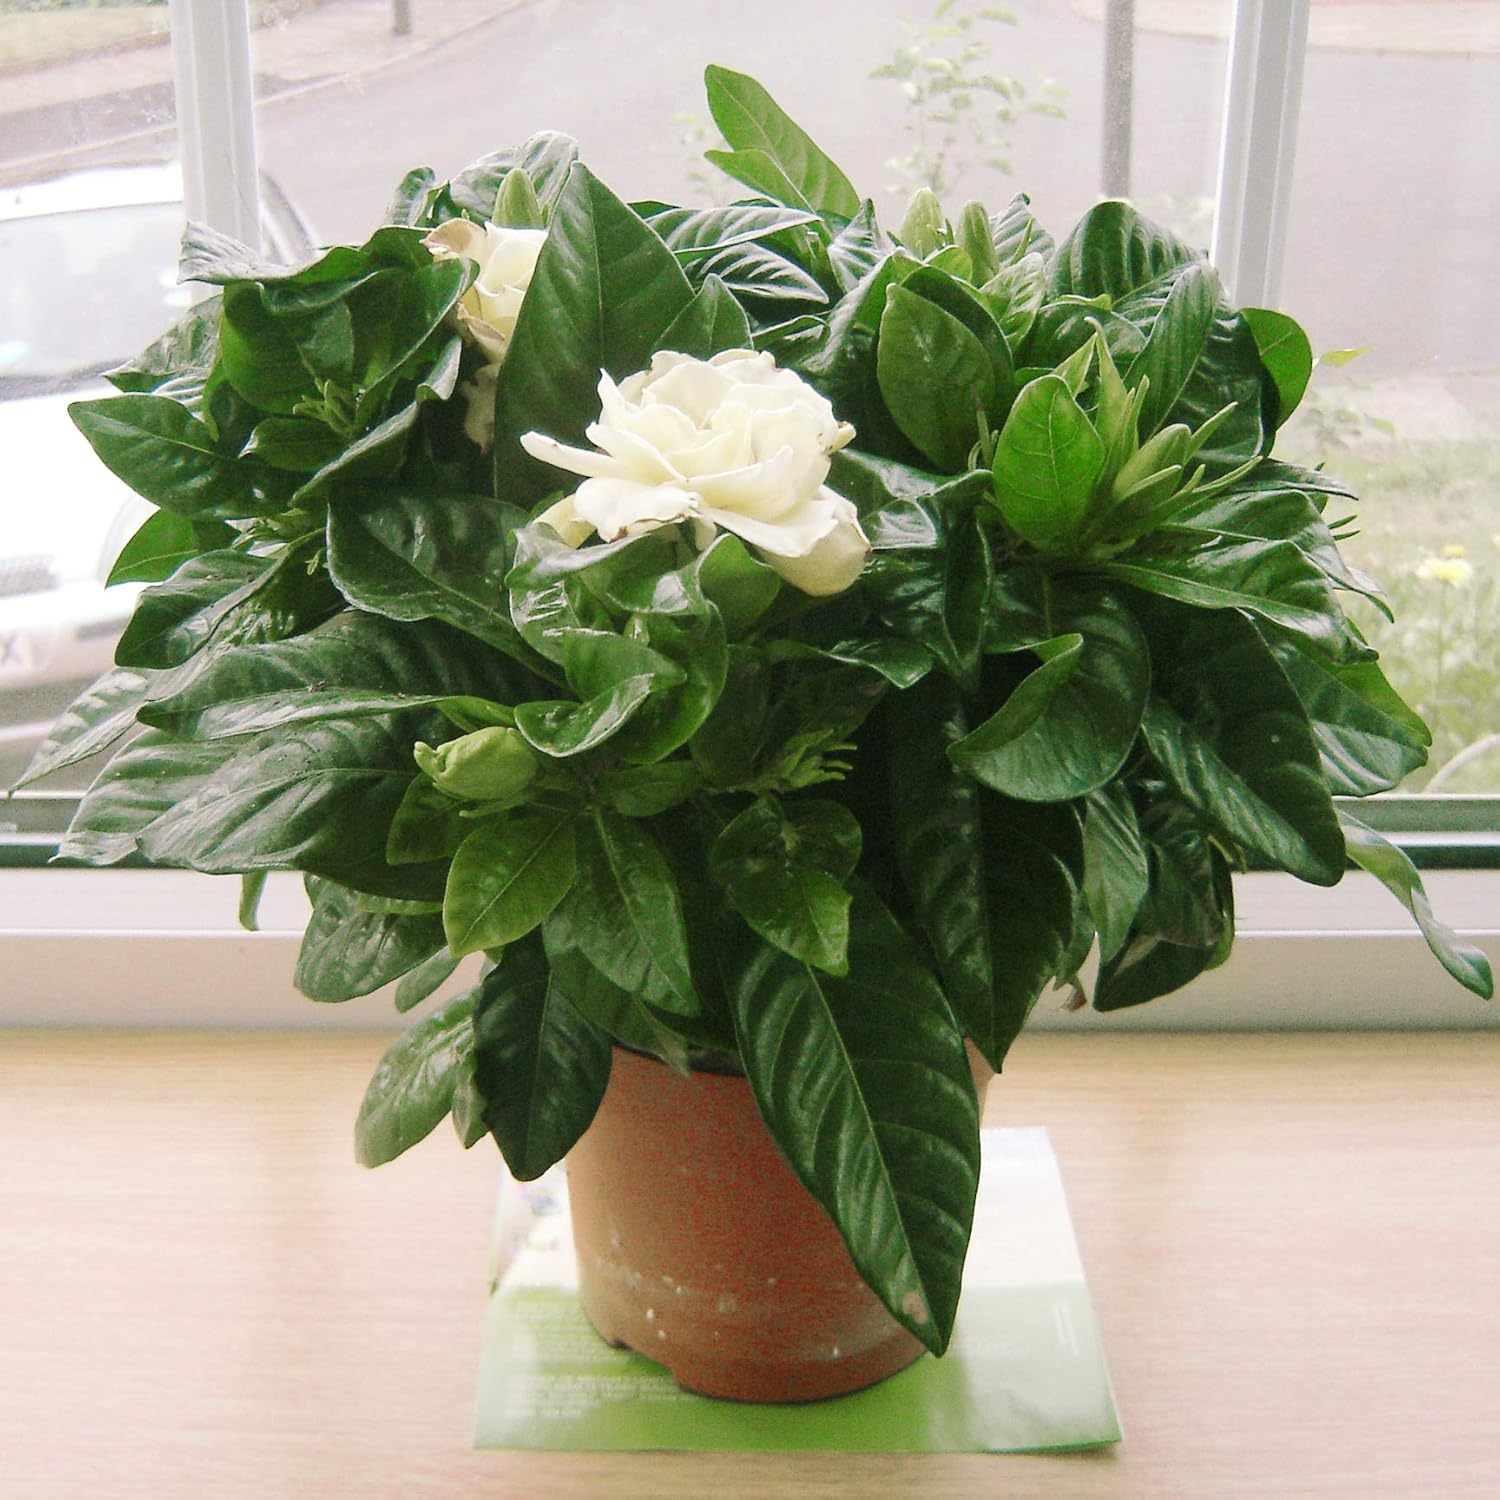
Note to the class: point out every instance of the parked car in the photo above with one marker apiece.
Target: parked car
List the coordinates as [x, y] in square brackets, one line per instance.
[88, 276]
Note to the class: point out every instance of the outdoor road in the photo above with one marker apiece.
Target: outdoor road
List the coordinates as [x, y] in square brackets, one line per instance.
[1395, 212]
[1394, 216]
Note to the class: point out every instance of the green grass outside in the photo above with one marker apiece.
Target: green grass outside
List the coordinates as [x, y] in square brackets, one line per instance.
[1428, 528]
[31, 38]
[37, 33]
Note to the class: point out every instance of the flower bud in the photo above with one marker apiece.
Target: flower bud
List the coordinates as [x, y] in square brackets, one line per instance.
[490, 765]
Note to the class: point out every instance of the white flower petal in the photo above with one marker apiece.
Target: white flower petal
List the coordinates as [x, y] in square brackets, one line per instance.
[563, 519]
[732, 442]
[614, 507]
[456, 237]
[764, 491]
[835, 560]
[575, 460]
[479, 406]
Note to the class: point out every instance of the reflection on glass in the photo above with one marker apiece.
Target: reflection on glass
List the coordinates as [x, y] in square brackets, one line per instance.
[90, 216]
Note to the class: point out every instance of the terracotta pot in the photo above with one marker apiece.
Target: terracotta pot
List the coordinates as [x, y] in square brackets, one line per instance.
[698, 1247]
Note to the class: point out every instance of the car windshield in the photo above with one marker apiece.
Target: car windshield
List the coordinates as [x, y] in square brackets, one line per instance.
[84, 291]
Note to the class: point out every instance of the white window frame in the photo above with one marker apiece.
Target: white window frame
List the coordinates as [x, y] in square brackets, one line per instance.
[173, 954]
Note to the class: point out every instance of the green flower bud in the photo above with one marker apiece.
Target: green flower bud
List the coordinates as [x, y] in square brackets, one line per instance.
[516, 205]
[490, 765]
[975, 235]
[924, 230]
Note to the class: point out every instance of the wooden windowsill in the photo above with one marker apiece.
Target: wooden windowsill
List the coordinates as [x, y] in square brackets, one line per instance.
[1292, 1244]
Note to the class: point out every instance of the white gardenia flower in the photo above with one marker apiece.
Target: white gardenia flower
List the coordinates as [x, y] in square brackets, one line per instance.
[487, 312]
[732, 442]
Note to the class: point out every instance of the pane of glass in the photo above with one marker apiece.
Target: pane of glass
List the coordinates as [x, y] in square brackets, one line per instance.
[977, 100]
[90, 216]
[1395, 216]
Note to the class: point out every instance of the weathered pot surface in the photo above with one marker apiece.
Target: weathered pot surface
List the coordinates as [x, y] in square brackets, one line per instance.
[698, 1247]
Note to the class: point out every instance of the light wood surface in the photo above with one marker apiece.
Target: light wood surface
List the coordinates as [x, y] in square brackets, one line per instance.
[1292, 1241]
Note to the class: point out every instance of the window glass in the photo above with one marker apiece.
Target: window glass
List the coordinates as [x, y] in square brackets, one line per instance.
[1395, 215]
[90, 216]
[976, 100]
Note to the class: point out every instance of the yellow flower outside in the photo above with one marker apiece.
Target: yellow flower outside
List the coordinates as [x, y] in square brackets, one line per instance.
[1453, 571]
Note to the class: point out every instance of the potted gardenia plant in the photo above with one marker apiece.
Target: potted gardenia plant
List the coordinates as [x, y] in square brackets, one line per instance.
[778, 646]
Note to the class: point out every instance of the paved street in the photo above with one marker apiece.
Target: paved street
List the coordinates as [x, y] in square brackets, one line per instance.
[1395, 207]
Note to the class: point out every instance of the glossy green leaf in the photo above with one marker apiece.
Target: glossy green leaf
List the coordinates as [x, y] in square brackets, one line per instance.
[858, 247]
[1014, 296]
[989, 890]
[427, 825]
[864, 1084]
[317, 797]
[694, 232]
[94, 721]
[354, 664]
[185, 351]
[1002, 749]
[1016, 232]
[1185, 924]
[1382, 859]
[467, 1111]
[710, 324]
[377, 454]
[259, 356]
[728, 744]
[604, 289]
[1047, 463]
[1267, 505]
[561, 727]
[174, 619]
[750, 120]
[141, 783]
[761, 173]
[901, 663]
[540, 1066]
[1227, 730]
[415, 555]
[1275, 580]
[938, 597]
[1286, 354]
[935, 377]
[596, 659]
[347, 951]
[547, 157]
[740, 586]
[413, 1086]
[1227, 372]
[425, 980]
[624, 914]
[1177, 330]
[163, 543]
[1069, 726]
[1369, 740]
[673, 714]
[505, 879]
[780, 883]
[1116, 870]
[165, 453]
[753, 270]
[959, 299]
[644, 791]
[1115, 250]
[613, 1010]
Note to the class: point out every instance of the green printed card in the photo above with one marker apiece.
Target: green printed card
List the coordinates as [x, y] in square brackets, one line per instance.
[1025, 1370]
